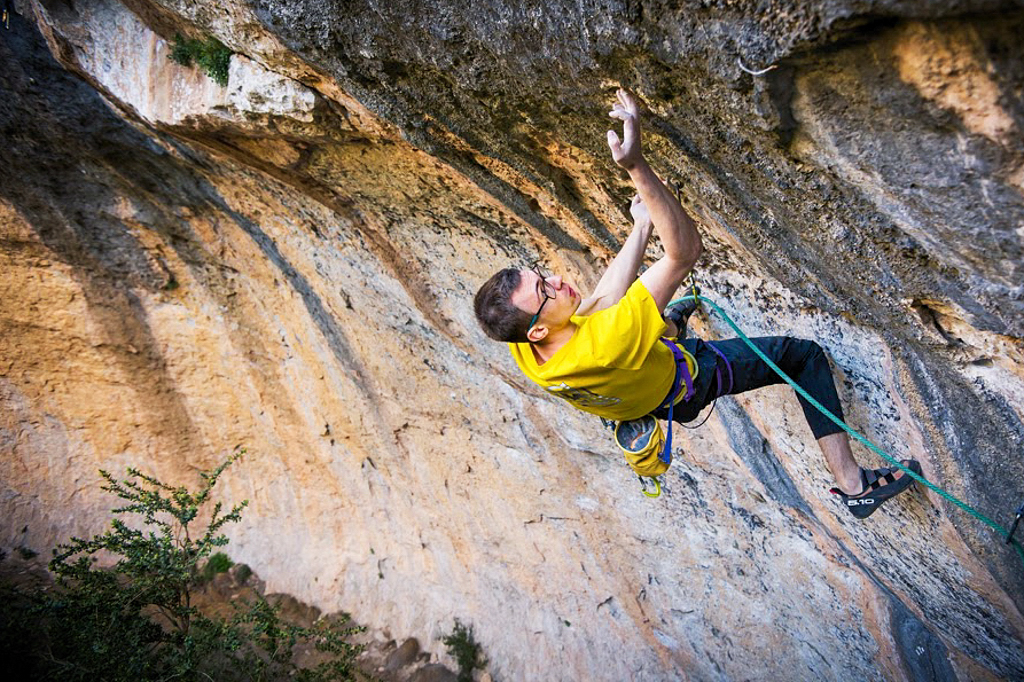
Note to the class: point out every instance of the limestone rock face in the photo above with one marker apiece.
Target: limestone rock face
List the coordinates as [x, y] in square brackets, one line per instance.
[287, 265]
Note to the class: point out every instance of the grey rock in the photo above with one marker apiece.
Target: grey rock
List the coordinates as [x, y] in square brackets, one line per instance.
[403, 655]
[434, 672]
[172, 290]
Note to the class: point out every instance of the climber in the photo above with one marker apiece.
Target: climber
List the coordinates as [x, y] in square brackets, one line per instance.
[611, 353]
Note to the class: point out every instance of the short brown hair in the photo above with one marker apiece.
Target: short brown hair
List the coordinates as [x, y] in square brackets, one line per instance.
[498, 316]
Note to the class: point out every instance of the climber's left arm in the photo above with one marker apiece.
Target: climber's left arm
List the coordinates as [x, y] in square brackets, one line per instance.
[621, 272]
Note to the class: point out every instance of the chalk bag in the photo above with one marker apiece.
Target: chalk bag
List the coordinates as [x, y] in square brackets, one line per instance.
[641, 441]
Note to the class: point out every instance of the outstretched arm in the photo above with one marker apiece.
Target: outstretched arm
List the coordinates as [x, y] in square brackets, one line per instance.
[622, 270]
[675, 228]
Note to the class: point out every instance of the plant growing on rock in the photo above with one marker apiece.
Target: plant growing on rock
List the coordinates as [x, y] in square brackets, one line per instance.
[218, 563]
[211, 55]
[466, 651]
[137, 621]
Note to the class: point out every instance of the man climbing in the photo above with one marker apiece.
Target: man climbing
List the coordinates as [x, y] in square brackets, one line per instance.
[613, 354]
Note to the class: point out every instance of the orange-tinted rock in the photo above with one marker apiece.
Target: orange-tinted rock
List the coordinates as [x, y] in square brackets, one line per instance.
[287, 265]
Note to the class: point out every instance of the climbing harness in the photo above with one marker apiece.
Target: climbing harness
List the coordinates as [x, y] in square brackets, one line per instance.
[1008, 534]
[647, 449]
[643, 442]
[640, 439]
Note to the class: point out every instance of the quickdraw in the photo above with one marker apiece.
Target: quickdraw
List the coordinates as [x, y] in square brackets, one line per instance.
[1016, 520]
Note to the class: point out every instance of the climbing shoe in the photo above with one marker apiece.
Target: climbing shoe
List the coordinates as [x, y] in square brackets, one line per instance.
[879, 486]
[680, 312]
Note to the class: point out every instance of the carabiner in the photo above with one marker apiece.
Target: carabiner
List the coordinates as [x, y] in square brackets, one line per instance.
[643, 486]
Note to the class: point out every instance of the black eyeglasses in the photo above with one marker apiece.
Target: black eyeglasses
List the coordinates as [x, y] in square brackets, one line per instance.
[545, 287]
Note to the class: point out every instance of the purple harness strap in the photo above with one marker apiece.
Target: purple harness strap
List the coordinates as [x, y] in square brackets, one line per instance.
[718, 369]
[683, 376]
[682, 372]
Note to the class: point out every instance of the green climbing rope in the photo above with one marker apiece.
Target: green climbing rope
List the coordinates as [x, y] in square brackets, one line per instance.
[963, 505]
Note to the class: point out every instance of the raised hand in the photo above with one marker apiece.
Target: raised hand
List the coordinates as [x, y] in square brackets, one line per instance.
[638, 209]
[627, 152]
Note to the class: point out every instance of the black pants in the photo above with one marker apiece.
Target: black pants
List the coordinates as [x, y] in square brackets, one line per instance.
[802, 360]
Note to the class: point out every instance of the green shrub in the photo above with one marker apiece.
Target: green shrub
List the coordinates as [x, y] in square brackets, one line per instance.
[465, 650]
[211, 55]
[218, 563]
[135, 622]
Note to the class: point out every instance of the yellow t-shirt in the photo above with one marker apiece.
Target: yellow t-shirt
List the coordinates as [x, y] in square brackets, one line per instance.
[614, 366]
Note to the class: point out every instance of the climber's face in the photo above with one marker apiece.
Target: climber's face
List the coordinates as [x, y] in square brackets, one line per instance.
[550, 300]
